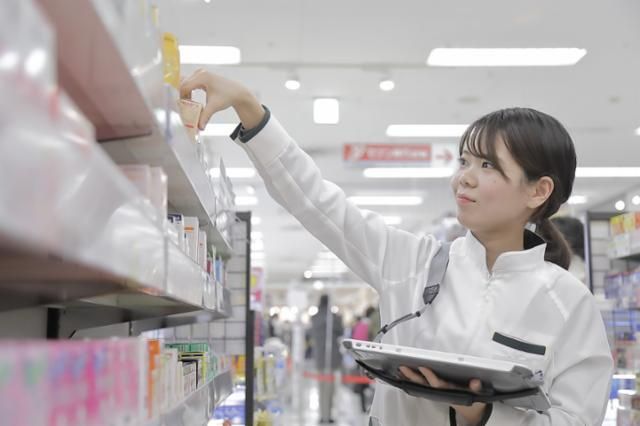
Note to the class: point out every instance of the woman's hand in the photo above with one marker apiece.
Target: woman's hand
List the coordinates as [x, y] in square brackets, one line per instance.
[471, 414]
[223, 93]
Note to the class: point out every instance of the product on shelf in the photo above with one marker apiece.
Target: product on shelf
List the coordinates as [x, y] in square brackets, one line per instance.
[171, 60]
[177, 220]
[191, 229]
[625, 234]
[190, 114]
[202, 249]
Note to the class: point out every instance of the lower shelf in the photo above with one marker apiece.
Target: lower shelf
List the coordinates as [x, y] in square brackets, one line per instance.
[197, 408]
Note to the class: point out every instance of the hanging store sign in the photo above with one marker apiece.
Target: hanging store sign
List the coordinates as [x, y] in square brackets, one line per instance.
[425, 154]
[386, 153]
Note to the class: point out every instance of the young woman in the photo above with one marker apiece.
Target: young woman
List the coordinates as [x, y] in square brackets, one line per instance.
[504, 283]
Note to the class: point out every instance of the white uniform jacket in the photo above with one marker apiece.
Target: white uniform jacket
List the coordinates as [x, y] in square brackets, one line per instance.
[524, 297]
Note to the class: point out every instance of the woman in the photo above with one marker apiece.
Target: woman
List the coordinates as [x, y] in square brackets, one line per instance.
[504, 284]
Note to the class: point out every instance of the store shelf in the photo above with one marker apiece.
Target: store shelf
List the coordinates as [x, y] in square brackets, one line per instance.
[190, 190]
[116, 81]
[198, 407]
[92, 70]
[630, 256]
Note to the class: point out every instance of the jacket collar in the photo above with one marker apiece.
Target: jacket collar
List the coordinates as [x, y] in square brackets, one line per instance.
[531, 257]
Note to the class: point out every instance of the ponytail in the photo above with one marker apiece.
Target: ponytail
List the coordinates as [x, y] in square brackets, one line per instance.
[558, 250]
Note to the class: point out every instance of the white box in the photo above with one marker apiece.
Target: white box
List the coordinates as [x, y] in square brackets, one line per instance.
[191, 229]
[202, 249]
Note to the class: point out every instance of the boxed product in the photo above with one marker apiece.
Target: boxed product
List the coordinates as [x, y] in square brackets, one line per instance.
[202, 249]
[190, 113]
[191, 229]
[178, 221]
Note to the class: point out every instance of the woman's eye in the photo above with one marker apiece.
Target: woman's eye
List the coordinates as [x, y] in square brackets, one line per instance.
[487, 165]
[462, 161]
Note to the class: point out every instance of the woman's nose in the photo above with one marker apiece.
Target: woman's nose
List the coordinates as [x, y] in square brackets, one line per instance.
[467, 178]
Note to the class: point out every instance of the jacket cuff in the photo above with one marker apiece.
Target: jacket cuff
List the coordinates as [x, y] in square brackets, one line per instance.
[268, 144]
[246, 135]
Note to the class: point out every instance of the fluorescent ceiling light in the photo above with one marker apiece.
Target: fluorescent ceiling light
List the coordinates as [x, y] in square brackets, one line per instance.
[408, 172]
[256, 220]
[602, 172]
[209, 55]
[9, 60]
[326, 111]
[577, 199]
[234, 172]
[218, 129]
[292, 84]
[247, 200]
[392, 220]
[426, 130]
[408, 200]
[387, 85]
[505, 57]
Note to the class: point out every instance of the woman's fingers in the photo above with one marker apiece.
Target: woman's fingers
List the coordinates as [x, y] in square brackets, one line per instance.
[413, 376]
[434, 380]
[475, 385]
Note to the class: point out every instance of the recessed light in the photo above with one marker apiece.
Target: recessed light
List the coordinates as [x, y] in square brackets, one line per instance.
[308, 274]
[234, 172]
[221, 129]
[504, 57]
[426, 130]
[635, 200]
[292, 84]
[326, 111]
[407, 200]
[318, 285]
[620, 205]
[577, 199]
[209, 55]
[387, 85]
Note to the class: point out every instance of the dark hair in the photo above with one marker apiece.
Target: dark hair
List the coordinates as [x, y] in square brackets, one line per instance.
[573, 231]
[324, 301]
[542, 147]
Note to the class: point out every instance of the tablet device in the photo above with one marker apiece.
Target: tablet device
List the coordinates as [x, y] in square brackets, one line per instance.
[500, 378]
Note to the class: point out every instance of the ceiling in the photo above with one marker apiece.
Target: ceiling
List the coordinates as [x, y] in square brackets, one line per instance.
[343, 49]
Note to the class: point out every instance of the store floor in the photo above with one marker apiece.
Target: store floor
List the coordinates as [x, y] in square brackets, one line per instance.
[346, 407]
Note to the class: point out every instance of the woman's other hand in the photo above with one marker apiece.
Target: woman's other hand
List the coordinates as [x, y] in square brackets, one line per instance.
[472, 414]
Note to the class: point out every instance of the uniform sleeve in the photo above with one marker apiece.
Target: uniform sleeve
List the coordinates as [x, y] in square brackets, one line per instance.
[377, 253]
[581, 376]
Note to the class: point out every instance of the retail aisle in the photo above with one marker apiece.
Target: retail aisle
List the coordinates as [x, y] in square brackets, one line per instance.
[346, 409]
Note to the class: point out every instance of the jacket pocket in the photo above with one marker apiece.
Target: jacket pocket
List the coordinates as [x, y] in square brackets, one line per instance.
[519, 344]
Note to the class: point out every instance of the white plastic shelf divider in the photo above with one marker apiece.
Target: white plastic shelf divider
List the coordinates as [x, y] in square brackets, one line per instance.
[197, 408]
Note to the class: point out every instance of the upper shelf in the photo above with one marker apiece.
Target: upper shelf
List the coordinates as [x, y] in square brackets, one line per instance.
[112, 69]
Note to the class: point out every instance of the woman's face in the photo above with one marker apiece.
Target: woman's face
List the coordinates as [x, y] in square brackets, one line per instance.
[487, 201]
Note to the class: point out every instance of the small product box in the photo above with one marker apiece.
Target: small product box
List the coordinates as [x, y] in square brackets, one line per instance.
[191, 229]
[178, 221]
[190, 113]
[202, 249]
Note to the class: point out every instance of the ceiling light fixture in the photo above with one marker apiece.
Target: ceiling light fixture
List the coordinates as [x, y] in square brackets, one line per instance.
[222, 129]
[209, 55]
[635, 200]
[577, 199]
[426, 130]
[387, 85]
[620, 205]
[504, 57]
[234, 172]
[292, 84]
[602, 172]
[638, 131]
[408, 172]
[407, 200]
[326, 111]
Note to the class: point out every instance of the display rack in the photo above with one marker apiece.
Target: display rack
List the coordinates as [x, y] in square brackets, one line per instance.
[77, 240]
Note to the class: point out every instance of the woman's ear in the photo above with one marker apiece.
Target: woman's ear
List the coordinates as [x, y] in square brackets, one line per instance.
[540, 192]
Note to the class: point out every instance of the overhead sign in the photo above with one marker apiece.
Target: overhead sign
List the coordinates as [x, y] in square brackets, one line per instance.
[386, 153]
[424, 154]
